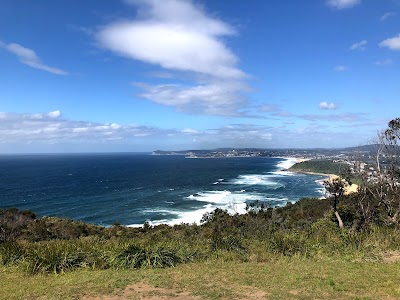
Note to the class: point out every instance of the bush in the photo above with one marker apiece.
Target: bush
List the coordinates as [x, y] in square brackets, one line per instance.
[229, 243]
[10, 253]
[53, 257]
[133, 256]
[289, 243]
[130, 257]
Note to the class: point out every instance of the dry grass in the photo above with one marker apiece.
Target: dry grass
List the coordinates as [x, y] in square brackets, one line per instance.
[276, 278]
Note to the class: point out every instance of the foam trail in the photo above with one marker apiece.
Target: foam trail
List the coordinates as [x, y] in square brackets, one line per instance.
[257, 179]
[287, 163]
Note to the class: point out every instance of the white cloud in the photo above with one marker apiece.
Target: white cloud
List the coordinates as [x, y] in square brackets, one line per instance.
[190, 131]
[41, 132]
[28, 57]
[51, 128]
[342, 4]
[174, 35]
[341, 68]
[179, 36]
[385, 62]
[387, 15]
[222, 98]
[54, 114]
[326, 105]
[359, 45]
[391, 43]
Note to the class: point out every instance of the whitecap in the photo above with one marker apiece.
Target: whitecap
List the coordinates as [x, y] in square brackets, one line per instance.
[234, 203]
[286, 163]
[257, 179]
[283, 173]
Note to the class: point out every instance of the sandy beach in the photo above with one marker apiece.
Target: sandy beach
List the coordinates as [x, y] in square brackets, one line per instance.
[348, 189]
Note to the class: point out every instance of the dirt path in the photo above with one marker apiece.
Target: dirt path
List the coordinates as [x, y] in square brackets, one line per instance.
[144, 291]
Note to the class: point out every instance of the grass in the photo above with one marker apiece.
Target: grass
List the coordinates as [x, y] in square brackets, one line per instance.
[278, 277]
[293, 252]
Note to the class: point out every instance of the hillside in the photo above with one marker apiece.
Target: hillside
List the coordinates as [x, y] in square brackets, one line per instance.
[320, 166]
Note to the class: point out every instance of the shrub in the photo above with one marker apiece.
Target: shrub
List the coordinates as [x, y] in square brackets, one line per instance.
[133, 256]
[53, 257]
[229, 243]
[289, 243]
[10, 253]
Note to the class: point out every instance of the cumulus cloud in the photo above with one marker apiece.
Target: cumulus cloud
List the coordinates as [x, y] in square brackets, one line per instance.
[28, 57]
[387, 16]
[359, 45]
[391, 43]
[178, 36]
[47, 130]
[190, 131]
[54, 114]
[51, 128]
[326, 105]
[223, 98]
[342, 4]
[341, 68]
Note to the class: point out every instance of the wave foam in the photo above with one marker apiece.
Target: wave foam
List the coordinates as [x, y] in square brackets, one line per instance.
[257, 179]
[287, 163]
[233, 202]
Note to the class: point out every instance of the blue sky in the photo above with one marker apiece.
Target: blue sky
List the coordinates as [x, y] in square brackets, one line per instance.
[141, 75]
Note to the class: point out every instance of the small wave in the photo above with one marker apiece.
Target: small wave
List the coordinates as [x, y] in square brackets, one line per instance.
[283, 173]
[257, 179]
[158, 211]
[211, 196]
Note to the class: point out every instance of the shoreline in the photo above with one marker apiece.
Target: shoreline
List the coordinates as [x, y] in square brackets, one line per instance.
[348, 189]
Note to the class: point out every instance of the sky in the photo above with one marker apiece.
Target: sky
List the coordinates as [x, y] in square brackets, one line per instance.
[143, 75]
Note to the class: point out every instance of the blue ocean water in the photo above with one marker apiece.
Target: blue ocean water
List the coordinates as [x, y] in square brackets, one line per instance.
[134, 188]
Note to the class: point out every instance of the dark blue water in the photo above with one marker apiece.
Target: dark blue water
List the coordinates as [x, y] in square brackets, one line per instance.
[132, 188]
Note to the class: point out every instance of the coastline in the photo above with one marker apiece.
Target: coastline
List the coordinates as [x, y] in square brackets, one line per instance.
[348, 189]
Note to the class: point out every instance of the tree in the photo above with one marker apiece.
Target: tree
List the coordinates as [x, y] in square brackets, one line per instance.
[383, 187]
[334, 188]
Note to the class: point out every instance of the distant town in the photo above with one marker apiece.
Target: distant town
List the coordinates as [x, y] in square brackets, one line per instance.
[359, 159]
[364, 153]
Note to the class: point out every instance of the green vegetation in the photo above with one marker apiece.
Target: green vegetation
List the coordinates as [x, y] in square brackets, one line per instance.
[297, 249]
[321, 166]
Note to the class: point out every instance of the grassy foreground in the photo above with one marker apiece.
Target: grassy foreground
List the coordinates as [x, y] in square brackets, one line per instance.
[278, 277]
[292, 252]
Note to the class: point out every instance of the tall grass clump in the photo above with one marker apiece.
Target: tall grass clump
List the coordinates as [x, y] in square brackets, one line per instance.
[130, 256]
[53, 257]
[11, 253]
[289, 243]
[133, 256]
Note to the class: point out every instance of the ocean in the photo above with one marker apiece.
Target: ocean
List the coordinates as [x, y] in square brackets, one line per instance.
[132, 188]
